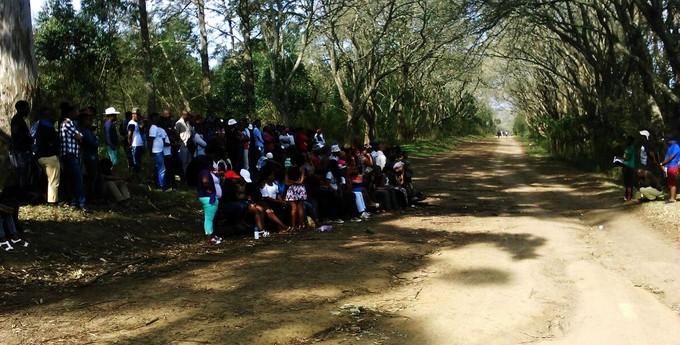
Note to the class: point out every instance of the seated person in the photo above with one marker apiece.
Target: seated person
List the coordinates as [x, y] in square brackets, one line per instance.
[234, 205]
[649, 186]
[113, 186]
[7, 225]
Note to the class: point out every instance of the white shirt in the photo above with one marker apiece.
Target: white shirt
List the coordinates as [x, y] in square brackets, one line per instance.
[218, 188]
[184, 130]
[381, 160]
[643, 155]
[159, 137]
[270, 191]
[332, 182]
[136, 134]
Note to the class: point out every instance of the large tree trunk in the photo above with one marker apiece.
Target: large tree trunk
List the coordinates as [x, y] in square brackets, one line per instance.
[205, 67]
[148, 62]
[245, 14]
[18, 68]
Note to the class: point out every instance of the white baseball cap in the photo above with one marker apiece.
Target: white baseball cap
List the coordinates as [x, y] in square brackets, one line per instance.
[231, 122]
[246, 175]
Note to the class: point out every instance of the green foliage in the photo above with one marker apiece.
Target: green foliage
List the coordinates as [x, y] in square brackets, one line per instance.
[418, 76]
[72, 54]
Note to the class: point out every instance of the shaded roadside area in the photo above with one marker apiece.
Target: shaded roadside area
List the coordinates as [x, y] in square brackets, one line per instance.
[145, 278]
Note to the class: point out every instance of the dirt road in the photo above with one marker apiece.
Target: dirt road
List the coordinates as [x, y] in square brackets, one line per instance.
[509, 251]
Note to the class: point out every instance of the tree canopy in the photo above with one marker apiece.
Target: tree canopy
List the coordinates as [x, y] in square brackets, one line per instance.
[387, 69]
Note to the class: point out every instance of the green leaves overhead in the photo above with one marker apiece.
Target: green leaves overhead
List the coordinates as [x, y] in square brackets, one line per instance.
[392, 69]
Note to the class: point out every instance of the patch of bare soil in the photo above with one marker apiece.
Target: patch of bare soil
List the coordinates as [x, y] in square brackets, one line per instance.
[507, 250]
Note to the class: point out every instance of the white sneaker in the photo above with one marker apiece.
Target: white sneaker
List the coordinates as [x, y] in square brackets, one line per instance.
[365, 215]
[338, 221]
[356, 220]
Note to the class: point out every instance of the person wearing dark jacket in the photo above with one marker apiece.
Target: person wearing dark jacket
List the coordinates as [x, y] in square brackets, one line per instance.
[21, 143]
[47, 152]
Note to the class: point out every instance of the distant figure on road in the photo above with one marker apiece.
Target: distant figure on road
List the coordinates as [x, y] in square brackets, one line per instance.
[649, 185]
[629, 168]
[670, 163]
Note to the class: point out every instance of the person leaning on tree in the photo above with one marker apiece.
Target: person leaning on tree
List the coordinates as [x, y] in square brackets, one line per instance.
[21, 143]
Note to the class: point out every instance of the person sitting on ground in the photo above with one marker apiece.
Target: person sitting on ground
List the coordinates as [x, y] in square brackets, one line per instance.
[7, 225]
[670, 163]
[266, 203]
[235, 206]
[649, 186]
[113, 185]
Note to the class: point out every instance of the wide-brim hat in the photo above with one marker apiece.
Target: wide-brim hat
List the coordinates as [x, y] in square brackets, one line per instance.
[111, 111]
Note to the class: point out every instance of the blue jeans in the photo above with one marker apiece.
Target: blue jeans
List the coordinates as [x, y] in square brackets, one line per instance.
[24, 165]
[159, 161]
[137, 152]
[75, 174]
[11, 227]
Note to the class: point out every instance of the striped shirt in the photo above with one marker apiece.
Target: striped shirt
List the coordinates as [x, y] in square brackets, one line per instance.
[69, 144]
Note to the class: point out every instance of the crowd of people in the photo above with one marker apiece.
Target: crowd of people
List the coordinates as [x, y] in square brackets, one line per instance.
[273, 177]
[642, 165]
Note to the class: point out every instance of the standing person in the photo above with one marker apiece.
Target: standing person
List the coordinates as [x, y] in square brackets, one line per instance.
[185, 132]
[90, 152]
[173, 165]
[122, 130]
[110, 134]
[158, 139]
[70, 152]
[245, 141]
[319, 140]
[670, 163]
[136, 142]
[629, 168]
[259, 139]
[21, 143]
[209, 193]
[47, 152]
[648, 155]
[296, 193]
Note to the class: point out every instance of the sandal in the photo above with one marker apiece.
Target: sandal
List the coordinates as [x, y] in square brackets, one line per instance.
[6, 246]
[20, 243]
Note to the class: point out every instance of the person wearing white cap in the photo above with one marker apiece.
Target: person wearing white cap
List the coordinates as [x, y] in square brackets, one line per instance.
[110, 134]
[648, 156]
[263, 160]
